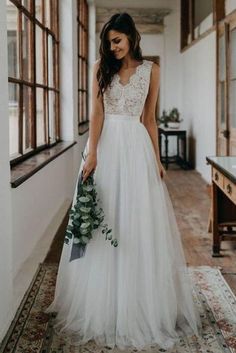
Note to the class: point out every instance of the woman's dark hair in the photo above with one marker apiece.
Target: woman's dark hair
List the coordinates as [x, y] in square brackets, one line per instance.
[109, 65]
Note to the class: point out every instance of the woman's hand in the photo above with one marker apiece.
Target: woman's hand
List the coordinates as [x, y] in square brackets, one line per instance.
[162, 170]
[89, 165]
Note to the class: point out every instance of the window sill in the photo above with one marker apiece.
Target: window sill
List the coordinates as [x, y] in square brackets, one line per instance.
[24, 170]
[83, 128]
[203, 35]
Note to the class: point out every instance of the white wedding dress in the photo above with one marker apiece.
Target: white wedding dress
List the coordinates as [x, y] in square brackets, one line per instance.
[138, 293]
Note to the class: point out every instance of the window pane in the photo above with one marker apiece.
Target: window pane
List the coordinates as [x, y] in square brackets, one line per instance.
[50, 62]
[13, 110]
[232, 105]
[40, 116]
[57, 65]
[57, 116]
[27, 117]
[84, 107]
[27, 4]
[222, 69]
[81, 41]
[47, 13]
[39, 55]
[80, 106]
[54, 16]
[26, 48]
[84, 74]
[233, 53]
[39, 10]
[202, 8]
[13, 41]
[51, 110]
[222, 103]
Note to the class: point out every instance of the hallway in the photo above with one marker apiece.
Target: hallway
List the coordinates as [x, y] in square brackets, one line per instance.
[48, 49]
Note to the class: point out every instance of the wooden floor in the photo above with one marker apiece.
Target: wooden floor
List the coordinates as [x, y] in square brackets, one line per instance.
[191, 202]
[188, 192]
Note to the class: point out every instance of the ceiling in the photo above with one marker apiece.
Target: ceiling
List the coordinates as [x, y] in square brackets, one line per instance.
[148, 18]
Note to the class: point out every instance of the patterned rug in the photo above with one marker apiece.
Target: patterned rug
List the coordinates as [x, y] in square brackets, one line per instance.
[32, 331]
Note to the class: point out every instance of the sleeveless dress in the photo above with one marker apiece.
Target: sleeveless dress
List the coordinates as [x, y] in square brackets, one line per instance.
[138, 293]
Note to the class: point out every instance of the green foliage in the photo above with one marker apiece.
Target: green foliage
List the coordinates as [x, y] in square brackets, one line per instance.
[172, 116]
[85, 216]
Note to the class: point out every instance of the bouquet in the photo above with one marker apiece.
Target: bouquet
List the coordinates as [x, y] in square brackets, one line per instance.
[85, 216]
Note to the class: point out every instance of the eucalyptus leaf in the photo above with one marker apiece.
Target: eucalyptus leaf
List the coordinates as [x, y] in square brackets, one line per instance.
[85, 225]
[76, 241]
[85, 217]
[85, 231]
[77, 223]
[69, 235]
[84, 199]
[85, 239]
[85, 209]
[88, 188]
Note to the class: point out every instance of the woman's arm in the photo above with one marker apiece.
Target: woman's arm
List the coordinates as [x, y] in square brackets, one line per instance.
[95, 125]
[97, 113]
[148, 115]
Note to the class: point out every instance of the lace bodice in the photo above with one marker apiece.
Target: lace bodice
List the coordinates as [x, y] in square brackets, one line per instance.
[129, 98]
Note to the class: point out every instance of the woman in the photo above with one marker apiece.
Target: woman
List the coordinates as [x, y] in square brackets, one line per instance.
[138, 293]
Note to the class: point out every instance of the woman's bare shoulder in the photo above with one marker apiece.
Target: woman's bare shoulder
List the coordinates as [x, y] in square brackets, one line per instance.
[96, 64]
[155, 68]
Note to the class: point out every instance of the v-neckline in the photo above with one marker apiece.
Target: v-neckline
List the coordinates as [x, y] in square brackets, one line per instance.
[130, 77]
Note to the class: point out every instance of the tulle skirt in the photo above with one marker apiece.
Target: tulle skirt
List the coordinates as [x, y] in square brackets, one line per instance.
[138, 293]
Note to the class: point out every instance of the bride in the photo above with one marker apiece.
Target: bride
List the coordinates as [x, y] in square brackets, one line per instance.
[138, 293]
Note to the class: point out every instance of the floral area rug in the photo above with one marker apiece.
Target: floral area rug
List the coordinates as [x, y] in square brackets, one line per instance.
[32, 330]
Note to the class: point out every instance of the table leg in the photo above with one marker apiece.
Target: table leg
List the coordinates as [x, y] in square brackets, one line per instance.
[177, 147]
[184, 151]
[215, 229]
[166, 151]
[160, 146]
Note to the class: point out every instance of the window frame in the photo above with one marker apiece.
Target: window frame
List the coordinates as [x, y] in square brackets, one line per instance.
[226, 138]
[28, 13]
[187, 21]
[83, 66]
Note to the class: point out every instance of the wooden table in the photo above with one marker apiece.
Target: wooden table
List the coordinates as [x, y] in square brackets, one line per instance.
[223, 175]
[181, 138]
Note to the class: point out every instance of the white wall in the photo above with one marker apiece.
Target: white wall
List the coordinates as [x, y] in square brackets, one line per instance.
[6, 278]
[172, 74]
[172, 62]
[153, 44]
[190, 84]
[230, 5]
[199, 100]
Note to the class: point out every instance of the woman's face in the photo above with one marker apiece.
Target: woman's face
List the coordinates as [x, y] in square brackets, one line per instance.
[119, 44]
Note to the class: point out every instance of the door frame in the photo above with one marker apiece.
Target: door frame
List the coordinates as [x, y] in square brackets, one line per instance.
[226, 136]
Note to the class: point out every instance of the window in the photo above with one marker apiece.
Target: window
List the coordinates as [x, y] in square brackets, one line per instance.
[226, 86]
[82, 20]
[198, 17]
[33, 76]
